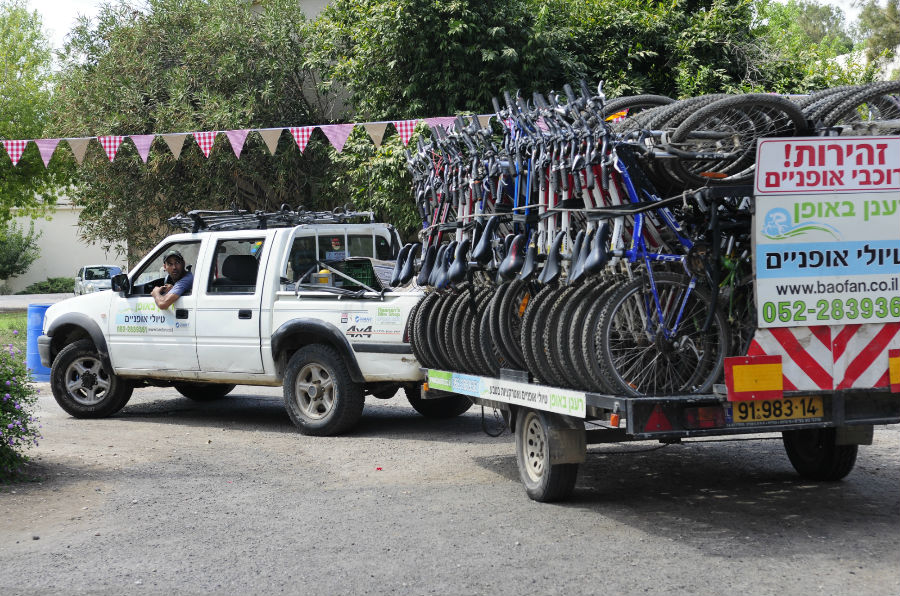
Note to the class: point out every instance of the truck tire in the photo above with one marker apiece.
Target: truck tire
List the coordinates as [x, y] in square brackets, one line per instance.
[815, 455]
[543, 482]
[203, 391]
[83, 386]
[442, 407]
[319, 395]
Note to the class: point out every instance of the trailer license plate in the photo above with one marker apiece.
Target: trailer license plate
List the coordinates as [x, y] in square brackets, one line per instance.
[775, 411]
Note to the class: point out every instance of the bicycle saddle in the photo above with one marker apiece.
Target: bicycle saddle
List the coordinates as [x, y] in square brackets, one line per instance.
[457, 271]
[435, 264]
[409, 266]
[552, 269]
[443, 264]
[483, 253]
[581, 257]
[599, 255]
[576, 251]
[398, 265]
[514, 259]
[530, 266]
[427, 264]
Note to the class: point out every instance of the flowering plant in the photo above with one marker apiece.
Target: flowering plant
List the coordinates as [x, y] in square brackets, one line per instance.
[19, 429]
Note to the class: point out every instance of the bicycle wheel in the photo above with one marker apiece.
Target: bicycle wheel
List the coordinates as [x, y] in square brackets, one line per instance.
[528, 321]
[474, 334]
[541, 368]
[560, 351]
[490, 354]
[633, 104]
[875, 107]
[438, 342]
[731, 127]
[591, 337]
[451, 331]
[506, 321]
[546, 345]
[574, 341]
[642, 356]
[419, 337]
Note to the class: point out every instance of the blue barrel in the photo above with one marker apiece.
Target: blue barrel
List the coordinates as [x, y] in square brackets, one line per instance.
[34, 330]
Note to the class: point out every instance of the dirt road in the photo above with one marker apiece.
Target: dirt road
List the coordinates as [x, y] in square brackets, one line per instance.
[173, 496]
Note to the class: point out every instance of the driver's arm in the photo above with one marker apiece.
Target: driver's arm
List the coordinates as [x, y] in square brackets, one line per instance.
[163, 297]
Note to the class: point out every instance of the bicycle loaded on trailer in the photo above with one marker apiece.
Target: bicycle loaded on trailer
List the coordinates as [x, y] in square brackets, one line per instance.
[599, 269]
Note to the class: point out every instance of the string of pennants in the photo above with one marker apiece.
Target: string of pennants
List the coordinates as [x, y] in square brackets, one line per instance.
[336, 134]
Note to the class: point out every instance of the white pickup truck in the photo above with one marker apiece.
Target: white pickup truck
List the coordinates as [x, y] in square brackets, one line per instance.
[303, 305]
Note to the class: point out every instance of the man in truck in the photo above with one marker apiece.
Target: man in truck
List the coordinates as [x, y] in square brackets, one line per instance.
[178, 281]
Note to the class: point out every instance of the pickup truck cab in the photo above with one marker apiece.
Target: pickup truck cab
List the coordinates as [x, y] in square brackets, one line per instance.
[302, 306]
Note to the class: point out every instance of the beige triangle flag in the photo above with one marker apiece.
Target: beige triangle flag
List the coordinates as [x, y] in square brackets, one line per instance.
[376, 131]
[79, 147]
[271, 137]
[485, 120]
[175, 142]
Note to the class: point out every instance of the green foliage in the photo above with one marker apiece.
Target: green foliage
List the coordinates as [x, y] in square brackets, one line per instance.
[19, 430]
[880, 25]
[10, 325]
[187, 65]
[18, 249]
[25, 99]
[52, 285]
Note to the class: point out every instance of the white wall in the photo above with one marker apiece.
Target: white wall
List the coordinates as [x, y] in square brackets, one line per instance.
[62, 253]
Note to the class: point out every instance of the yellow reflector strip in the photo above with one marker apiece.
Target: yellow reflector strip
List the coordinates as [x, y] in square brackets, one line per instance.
[757, 377]
[894, 368]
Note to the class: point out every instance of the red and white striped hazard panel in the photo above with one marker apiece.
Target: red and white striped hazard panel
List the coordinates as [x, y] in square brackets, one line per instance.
[830, 357]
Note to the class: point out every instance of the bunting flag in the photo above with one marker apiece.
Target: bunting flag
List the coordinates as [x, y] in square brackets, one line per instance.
[111, 145]
[46, 147]
[485, 120]
[237, 138]
[337, 134]
[14, 149]
[405, 129]
[143, 143]
[376, 131]
[443, 121]
[541, 124]
[79, 147]
[301, 135]
[205, 140]
[270, 137]
[175, 142]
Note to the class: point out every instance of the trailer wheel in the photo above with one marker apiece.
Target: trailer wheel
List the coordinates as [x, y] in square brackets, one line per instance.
[544, 482]
[815, 454]
[442, 407]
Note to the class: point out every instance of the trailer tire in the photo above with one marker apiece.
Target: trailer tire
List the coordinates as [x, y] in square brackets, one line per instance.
[440, 408]
[815, 454]
[544, 482]
[319, 395]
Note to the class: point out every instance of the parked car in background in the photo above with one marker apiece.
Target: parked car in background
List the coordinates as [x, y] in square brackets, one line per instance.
[94, 278]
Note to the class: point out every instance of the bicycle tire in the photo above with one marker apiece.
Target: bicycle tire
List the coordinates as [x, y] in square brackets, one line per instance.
[438, 341]
[637, 361]
[547, 374]
[472, 322]
[822, 102]
[575, 345]
[420, 331]
[492, 356]
[635, 104]
[567, 327]
[877, 98]
[525, 337]
[433, 329]
[590, 342]
[449, 331]
[512, 309]
[544, 350]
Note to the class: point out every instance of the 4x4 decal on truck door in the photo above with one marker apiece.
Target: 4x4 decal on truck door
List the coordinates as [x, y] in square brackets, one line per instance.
[354, 331]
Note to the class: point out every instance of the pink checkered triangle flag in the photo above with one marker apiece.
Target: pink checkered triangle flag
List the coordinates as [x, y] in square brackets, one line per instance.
[46, 147]
[444, 121]
[205, 139]
[111, 145]
[337, 134]
[15, 149]
[237, 138]
[405, 129]
[143, 143]
[301, 135]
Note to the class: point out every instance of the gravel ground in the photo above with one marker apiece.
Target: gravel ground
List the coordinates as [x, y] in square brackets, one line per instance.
[225, 497]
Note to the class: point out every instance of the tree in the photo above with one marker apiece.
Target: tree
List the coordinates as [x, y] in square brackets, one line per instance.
[188, 65]
[880, 25]
[18, 250]
[24, 104]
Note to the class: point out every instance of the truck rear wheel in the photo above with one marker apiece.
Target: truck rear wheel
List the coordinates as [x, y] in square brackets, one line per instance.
[203, 391]
[815, 454]
[319, 395]
[544, 482]
[441, 407]
[83, 386]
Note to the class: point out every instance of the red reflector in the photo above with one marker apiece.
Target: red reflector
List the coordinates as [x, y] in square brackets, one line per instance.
[705, 417]
[657, 421]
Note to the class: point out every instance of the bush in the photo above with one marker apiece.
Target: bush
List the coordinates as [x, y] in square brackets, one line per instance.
[19, 430]
[18, 249]
[52, 285]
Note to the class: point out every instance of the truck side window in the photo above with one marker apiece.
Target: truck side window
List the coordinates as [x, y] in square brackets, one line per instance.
[302, 259]
[235, 266]
[153, 274]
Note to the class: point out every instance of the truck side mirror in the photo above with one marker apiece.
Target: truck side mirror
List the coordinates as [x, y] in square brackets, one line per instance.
[121, 283]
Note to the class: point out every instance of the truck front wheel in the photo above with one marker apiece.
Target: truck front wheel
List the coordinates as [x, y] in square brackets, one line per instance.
[815, 454]
[83, 386]
[319, 394]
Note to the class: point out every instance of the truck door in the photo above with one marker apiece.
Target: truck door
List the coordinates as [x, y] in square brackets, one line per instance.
[143, 337]
[228, 324]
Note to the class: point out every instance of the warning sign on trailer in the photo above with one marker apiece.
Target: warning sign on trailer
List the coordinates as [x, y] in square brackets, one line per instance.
[822, 256]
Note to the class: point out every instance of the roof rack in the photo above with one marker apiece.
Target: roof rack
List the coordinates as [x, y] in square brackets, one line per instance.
[238, 219]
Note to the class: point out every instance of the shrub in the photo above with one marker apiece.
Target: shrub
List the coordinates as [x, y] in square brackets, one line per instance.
[19, 429]
[52, 285]
[18, 249]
